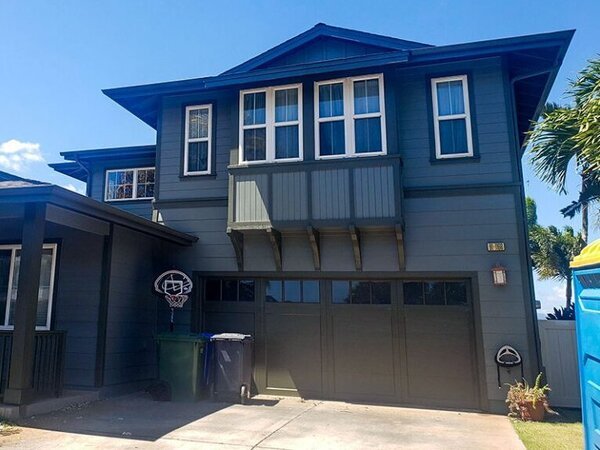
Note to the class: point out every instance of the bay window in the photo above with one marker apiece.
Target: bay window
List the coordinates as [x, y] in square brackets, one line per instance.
[129, 184]
[451, 117]
[10, 259]
[271, 124]
[350, 117]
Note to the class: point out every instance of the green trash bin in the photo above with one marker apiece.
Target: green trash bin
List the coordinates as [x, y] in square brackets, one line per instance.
[181, 365]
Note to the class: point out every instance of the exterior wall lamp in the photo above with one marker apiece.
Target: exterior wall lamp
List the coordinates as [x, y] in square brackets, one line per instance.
[499, 275]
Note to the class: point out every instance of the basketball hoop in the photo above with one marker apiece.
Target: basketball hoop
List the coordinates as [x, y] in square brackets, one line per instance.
[175, 286]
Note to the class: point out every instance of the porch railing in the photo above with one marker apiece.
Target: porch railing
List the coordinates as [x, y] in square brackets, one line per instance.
[48, 362]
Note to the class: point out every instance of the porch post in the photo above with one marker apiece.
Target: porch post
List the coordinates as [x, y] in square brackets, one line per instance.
[20, 380]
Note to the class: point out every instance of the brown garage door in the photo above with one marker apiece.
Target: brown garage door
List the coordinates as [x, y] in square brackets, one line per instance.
[405, 342]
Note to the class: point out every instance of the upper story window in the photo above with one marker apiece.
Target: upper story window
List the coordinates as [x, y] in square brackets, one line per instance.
[197, 158]
[451, 116]
[10, 260]
[271, 124]
[350, 117]
[129, 184]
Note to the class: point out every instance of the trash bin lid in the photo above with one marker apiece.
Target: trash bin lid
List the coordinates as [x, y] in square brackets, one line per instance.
[589, 256]
[230, 337]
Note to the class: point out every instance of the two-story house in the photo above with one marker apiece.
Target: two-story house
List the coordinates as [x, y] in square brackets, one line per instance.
[358, 206]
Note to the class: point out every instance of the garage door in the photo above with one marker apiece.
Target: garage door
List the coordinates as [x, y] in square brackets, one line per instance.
[407, 342]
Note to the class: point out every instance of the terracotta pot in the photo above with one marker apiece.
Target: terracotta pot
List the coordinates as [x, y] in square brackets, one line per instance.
[529, 412]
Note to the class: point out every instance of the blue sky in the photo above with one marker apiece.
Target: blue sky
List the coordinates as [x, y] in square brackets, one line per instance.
[57, 56]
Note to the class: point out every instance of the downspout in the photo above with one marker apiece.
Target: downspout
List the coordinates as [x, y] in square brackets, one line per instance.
[88, 184]
[513, 81]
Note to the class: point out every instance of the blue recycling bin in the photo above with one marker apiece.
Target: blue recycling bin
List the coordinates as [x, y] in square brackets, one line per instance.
[586, 277]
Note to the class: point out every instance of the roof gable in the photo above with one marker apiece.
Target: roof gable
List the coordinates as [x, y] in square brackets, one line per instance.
[324, 43]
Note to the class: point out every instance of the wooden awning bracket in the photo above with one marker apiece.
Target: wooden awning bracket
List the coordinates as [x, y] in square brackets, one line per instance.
[237, 240]
[355, 238]
[399, 230]
[275, 239]
[315, 244]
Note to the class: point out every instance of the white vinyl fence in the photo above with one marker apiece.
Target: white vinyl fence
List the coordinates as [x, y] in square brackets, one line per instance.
[559, 356]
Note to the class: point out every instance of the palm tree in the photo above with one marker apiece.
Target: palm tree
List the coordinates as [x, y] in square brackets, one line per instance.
[567, 135]
[552, 250]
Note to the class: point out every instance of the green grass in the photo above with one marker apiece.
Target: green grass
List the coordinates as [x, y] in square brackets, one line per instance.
[558, 432]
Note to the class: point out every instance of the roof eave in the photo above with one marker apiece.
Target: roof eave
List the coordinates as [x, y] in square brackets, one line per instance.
[56, 195]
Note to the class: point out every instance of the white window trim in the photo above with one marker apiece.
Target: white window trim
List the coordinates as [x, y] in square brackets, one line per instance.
[270, 124]
[134, 188]
[437, 118]
[349, 117]
[188, 140]
[14, 248]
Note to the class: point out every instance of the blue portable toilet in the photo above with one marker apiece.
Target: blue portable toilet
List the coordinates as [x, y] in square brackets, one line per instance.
[586, 276]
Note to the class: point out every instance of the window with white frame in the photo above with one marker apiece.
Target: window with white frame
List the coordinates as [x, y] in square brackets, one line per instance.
[10, 260]
[452, 119]
[198, 136]
[129, 184]
[271, 124]
[350, 117]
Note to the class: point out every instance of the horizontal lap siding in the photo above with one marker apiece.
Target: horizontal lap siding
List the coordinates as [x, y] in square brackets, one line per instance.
[132, 309]
[172, 185]
[451, 234]
[76, 302]
[141, 208]
[489, 118]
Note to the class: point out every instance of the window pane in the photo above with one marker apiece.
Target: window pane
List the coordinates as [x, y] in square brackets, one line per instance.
[340, 291]
[366, 96]
[230, 291]
[292, 291]
[254, 108]
[367, 133]
[197, 156]
[246, 290]
[213, 290]
[413, 293]
[120, 185]
[274, 293]
[361, 292]
[453, 136]
[382, 292]
[456, 293]
[286, 105]
[331, 100]
[145, 183]
[310, 292]
[43, 293]
[198, 123]
[255, 144]
[434, 293]
[450, 98]
[14, 287]
[45, 289]
[331, 138]
[5, 260]
[286, 142]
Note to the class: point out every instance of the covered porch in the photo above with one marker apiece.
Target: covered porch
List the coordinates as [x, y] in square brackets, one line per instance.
[76, 307]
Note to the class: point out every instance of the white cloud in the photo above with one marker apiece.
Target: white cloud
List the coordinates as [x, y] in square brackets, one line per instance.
[73, 188]
[16, 155]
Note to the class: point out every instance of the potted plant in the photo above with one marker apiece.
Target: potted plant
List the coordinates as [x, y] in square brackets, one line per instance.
[528, 402]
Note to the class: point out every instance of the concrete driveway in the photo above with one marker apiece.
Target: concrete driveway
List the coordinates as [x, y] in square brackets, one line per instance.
[135, 421]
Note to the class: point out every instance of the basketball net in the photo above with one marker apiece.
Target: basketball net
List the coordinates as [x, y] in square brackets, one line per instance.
[175, 301]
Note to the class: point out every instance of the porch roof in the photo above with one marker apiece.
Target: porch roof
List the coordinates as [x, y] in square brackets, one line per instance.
[72, 209]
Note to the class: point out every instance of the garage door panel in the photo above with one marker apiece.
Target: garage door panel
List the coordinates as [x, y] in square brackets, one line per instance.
[293, 353]
[227, 322]
[441, 391]
[437, 355]
[363, 352]
[430, 320]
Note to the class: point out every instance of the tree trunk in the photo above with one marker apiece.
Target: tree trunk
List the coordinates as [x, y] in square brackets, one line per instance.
[584, 211]
[569, 291]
